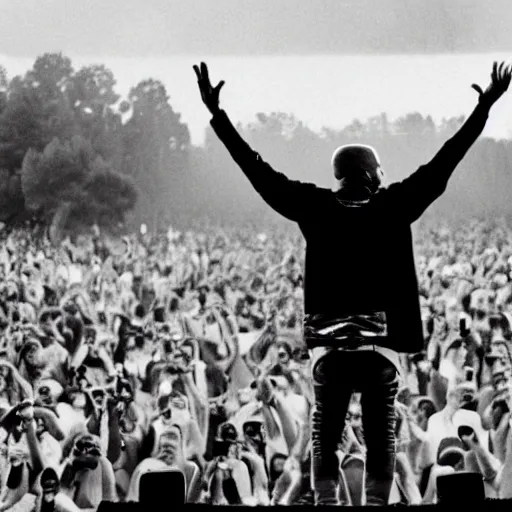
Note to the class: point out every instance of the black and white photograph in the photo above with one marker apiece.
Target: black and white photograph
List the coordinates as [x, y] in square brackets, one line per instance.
[255, 253]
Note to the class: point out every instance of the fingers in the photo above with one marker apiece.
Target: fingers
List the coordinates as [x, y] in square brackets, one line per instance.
[502, 76]
[201, 72]
[204, 73]
[197, 72]
[219, 87]
[494, 73]
[507, 72]
[477, 88]
[500, 70]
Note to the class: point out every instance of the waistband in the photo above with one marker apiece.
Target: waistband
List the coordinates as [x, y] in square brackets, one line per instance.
[347, 331]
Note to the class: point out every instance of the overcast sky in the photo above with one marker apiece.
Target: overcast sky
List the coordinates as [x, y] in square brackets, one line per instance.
[412, 55]
[142, 28]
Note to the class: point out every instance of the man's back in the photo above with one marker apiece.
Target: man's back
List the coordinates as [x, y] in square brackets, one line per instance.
[360, 260]
[360, 283]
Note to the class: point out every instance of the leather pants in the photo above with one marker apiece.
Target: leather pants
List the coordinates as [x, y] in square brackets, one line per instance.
[336, 375]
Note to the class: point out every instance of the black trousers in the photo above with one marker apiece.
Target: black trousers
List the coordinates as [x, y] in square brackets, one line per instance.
[336, 375]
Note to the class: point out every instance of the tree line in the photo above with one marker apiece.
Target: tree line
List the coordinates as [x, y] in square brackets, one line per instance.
[74, 154]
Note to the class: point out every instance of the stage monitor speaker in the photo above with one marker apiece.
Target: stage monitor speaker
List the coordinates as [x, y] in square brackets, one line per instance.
[162, 489]
[461, 487]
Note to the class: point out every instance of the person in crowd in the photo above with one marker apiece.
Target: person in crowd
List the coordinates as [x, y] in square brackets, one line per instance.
[170, 453]
[206, 372]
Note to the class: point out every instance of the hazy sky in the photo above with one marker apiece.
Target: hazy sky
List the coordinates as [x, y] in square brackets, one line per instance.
[320, 90]
[142, 28]
[318, 59]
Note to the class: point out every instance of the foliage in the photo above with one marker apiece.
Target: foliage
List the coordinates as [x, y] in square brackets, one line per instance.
[69, 175]
[156, 145]
[74, 153]
[72, 150]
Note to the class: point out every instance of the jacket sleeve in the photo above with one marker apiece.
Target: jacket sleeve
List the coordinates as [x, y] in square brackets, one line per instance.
[417, 192]
[291, 199]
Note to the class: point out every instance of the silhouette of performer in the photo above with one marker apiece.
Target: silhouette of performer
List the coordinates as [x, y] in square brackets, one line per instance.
[360, 290]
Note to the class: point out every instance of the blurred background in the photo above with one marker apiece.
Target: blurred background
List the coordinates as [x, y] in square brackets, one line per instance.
[114, 81]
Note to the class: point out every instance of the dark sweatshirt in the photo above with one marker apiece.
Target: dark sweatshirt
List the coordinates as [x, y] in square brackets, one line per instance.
[359, 260]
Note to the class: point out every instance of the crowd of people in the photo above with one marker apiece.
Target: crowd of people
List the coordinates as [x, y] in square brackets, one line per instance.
[184, 350]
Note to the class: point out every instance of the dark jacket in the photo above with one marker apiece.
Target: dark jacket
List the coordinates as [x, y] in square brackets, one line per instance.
[359, 259]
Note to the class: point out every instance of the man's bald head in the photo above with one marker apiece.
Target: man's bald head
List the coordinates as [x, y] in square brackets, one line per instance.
[357, 166]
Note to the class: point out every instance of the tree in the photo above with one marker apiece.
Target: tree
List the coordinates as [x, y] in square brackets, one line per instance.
[156, 145]
[92, 97]
[109, 196]
[53, 102]
[4, 85]
[11, 195]
[69, 180]
[32, 112]
[47, 84]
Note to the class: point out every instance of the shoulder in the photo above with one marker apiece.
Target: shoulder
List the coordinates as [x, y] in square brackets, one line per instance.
[64, 408]
[465, 413]
[319, 192]
[469, 416]
[435, 418]
[387, 195]
[444, 470]
[191, 469]
[150, 464]
[64, 503]
[239, 466]
[311, 190]
[191, 465]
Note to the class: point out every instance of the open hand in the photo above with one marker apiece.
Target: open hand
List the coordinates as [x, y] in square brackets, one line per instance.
[500, 80]
[209, 94]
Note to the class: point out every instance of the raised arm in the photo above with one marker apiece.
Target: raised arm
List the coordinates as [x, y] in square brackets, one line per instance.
[417, 192]
[292, 199]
